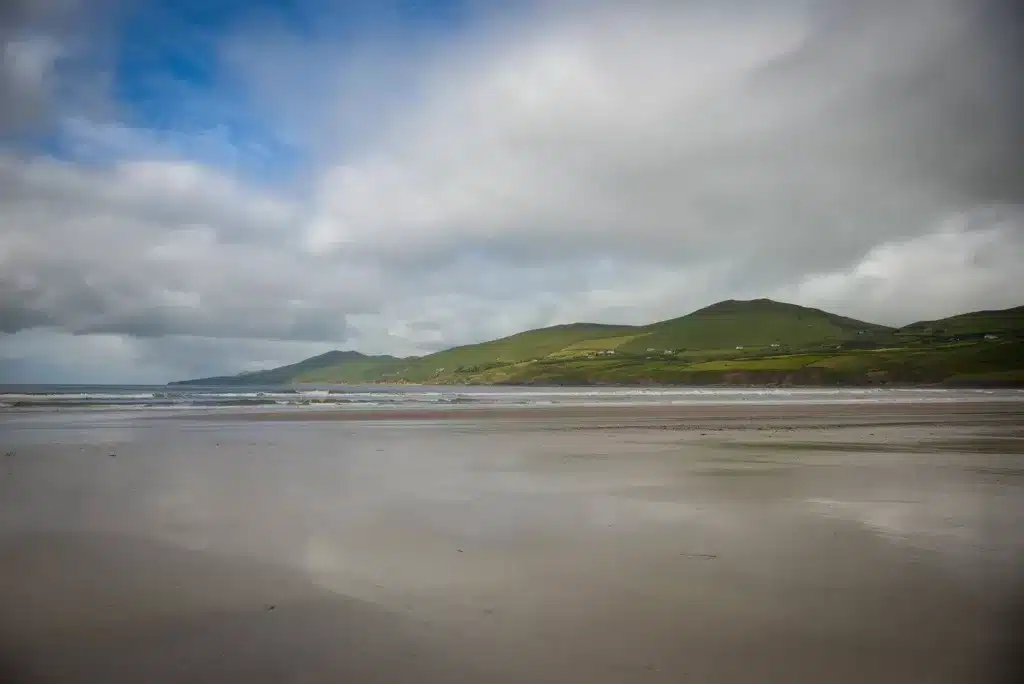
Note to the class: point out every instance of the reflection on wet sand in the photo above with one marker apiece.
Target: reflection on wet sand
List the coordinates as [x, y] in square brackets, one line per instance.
[498, 548]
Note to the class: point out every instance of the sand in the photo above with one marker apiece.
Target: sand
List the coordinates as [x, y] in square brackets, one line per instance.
[839, 543]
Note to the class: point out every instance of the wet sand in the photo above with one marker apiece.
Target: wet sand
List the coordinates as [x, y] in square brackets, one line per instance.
[739, 415]
[843, 543]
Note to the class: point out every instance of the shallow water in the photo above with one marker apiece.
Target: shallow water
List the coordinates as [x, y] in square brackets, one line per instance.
[554, 549]
[355, 397]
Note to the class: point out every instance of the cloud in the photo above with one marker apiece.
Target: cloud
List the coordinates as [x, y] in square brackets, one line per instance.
[969, 260]
[666, 133]
[45, 355]
[28, 53]
[562, 161]
[52, 58]
[153, 249]
[42, 355]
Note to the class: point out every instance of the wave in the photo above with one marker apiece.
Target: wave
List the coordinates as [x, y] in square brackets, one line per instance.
[112, 398]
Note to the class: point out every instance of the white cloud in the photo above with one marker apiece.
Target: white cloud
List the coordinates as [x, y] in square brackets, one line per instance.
[656, 131]
[155, 248]
[556, 133]
[952, 270]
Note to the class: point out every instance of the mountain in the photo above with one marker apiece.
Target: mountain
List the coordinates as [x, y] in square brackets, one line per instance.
[508, 352]
[756, 323]
[732, 342]
[347, 366]
[975, 324]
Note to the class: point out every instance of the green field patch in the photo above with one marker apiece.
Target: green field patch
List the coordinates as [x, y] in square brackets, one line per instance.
[861, 361]
[601, 344]
[772, 363]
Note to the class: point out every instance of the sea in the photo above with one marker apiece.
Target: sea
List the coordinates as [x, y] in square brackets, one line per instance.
[50, 398]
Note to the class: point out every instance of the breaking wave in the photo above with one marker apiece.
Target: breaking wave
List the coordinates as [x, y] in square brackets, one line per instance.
[57, 398]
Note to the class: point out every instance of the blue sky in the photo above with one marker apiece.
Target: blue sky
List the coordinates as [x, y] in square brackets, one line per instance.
[171, 81]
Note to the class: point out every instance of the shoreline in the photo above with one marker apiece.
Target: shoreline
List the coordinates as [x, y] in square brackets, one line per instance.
[839, 414]
[458, 402]
[634, 385]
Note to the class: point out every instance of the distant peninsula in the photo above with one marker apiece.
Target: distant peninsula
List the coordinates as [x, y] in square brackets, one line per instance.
[755, 342]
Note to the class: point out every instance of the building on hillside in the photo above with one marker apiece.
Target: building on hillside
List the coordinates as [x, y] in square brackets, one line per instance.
[990, 336]
[739, 346]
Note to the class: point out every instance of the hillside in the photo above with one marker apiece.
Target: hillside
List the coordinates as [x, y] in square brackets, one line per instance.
[345, 366]
[757, 323]
[970, 325]
[732, 342]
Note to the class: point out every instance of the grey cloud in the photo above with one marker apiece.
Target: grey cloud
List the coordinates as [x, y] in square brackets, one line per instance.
[14, 316]
[251, 321]
[56, 356]
[656, 133]
[53, 356]
[165, 194]
[974, 261]
[89, 253]
[943, 81]
[51, 52]
[25, 65]
[177, 357]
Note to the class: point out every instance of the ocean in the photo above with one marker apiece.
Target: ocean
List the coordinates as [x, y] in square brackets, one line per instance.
[21, 398]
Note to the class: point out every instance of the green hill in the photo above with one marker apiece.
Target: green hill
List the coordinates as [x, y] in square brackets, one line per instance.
[508, 351]
[758, 323]
[340, 366]
[733, 342]
[975, 324]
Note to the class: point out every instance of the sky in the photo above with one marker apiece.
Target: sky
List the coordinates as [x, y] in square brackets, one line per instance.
[197, 187]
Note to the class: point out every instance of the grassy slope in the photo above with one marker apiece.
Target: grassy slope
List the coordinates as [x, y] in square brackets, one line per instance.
[348, 366]
[965, 363]
[523, 347]
[758, 323]
[814, 347]
[977, 323]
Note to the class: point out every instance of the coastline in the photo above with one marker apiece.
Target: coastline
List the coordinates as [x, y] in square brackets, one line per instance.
[747, 415]
[360, 399]
[640, 385]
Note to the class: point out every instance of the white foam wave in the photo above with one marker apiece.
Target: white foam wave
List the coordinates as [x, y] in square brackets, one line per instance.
[384, 397]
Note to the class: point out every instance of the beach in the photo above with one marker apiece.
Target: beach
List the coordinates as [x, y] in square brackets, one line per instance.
[861, 541]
